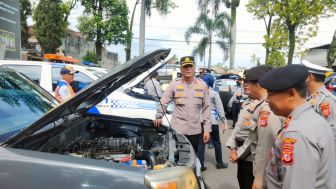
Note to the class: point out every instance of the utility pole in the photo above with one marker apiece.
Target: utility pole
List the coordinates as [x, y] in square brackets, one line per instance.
[142, 29]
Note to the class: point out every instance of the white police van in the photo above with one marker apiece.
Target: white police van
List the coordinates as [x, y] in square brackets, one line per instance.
[127, 101]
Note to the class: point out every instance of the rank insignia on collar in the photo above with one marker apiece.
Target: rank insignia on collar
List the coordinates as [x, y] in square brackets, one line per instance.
[312, 101]
[325, 108]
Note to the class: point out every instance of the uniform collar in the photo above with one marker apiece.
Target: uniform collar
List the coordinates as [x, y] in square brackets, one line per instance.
[300, 109]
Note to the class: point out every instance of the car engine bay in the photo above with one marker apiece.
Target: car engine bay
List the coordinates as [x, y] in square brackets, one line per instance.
[120, 142]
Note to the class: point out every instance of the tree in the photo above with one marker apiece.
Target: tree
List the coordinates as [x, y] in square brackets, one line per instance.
[129, 37]
[300, 16]
[25, 11]
[66, 7]
[49, 25]
[263, 10]
[163, 6]
[233, 5]
[212, 30]
[104, 21]
[331, 56]
[90, 56]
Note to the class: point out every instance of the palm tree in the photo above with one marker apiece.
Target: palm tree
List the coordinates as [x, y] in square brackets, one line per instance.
[233, 4]
[214, 30]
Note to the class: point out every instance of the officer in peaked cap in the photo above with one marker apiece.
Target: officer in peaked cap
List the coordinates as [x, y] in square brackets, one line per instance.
[262, 123]
[323, 101]
[303, 155]
[192, 109]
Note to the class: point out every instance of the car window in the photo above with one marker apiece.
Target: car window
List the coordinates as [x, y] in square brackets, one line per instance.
[81, 80]
[22, 102]
[32, 72]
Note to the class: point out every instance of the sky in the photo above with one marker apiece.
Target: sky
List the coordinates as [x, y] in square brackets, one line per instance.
[174, 25]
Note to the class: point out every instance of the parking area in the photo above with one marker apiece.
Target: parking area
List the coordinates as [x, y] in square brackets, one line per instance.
[220, 178]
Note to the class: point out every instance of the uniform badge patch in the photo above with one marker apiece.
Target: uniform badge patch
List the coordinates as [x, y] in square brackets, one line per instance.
[325, 108]
[263, 119]
[287, 151]
[199, 94]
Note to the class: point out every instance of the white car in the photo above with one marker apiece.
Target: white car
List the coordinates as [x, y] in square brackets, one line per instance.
[126, 101]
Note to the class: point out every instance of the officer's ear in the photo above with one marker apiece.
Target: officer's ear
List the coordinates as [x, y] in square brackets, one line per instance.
[292, 93]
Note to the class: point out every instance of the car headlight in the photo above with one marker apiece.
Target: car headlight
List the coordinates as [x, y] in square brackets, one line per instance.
[171, 178]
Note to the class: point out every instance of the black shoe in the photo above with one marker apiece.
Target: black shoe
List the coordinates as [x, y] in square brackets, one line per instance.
[210, 146]
[203, 168]
[222, 165]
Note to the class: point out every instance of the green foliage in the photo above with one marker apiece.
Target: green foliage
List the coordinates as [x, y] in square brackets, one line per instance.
[301, 17]
[105, 21]
[25, 11]
[66, 7]
[276, 59]
[90, 56]
[212, 30]
[331, 56]
[49, 25]
[163, 6]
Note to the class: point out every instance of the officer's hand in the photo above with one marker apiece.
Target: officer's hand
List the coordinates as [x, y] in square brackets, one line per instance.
[233, 156]
[157, 122]
[225, 126]
[206, 137]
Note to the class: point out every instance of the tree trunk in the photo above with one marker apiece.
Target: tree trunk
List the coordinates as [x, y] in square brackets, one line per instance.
[268, 30]
[210, 45]
[331, 53]
[99, 42]
[233, 37]
[128, 48]
[142, 28]
[291, 36]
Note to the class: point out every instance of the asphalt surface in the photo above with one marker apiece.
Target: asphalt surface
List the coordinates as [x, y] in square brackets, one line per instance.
[220, 178]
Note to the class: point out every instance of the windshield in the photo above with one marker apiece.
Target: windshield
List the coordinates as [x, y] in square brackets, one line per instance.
[97, 72]
[21, 103]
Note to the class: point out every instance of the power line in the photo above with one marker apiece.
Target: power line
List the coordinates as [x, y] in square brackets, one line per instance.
[182, 41]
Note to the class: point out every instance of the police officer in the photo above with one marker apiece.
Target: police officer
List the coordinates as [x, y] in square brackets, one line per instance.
[303, 155]
[63, 90]
[192, 105]
[263, 125]
[217, 113]
[322, 100]
[152, 85]
[240, 152]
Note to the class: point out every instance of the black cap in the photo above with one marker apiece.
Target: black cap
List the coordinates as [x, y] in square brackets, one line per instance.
[187, 60]
[253, 74]
[283, 78]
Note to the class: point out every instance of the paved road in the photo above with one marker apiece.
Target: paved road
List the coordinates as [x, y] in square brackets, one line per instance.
[220, 178]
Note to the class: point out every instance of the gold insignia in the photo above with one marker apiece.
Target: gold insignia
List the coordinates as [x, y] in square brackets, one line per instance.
[180, 87]
[187, 59]
[199, 94]
[312, 101]
[179, 94]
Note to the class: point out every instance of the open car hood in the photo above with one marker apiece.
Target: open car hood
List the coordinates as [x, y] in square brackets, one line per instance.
[134, 82]
[95, 92]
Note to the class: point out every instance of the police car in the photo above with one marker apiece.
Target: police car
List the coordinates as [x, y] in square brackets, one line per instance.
[127, 101]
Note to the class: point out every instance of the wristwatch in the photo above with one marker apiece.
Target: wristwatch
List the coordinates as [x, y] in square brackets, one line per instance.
[158, 117]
